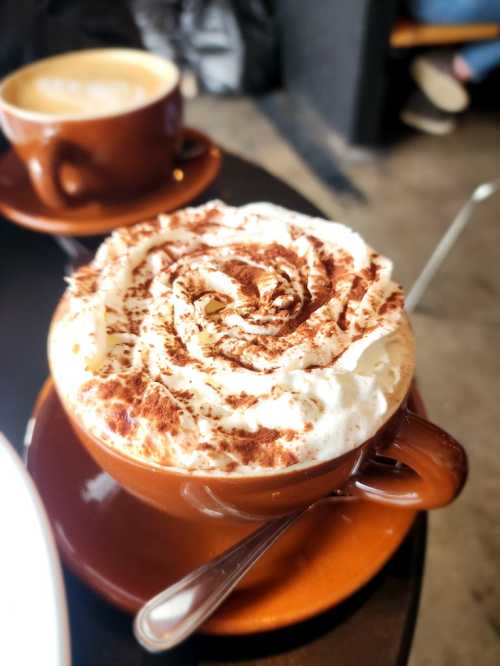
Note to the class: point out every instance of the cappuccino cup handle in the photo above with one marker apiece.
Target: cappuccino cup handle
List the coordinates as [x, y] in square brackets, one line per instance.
[61, 178]
[432, 470]
[44, 173]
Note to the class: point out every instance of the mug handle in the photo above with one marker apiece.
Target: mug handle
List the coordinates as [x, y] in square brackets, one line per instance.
[435, 468]
[59, 180]
[44, 173]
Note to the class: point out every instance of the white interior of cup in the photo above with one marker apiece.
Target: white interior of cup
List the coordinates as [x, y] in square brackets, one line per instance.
[166, 71]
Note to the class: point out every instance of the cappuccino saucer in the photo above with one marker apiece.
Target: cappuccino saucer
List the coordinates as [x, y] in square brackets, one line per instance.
[19, 202]
[127, 551]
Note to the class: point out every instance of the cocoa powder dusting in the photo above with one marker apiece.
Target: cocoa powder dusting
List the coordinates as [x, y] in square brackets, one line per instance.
[85, 281]
[394, 302]
[161, 411]
[241, 400]
[342, 320]
[258, 448]
[119, 421]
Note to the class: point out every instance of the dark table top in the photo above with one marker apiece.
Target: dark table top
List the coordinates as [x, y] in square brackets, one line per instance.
[373, 627]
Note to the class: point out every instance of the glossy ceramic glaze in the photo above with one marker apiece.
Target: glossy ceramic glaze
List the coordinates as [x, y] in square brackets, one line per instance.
[115, 156]
[434, 472]
[20, 203]
[128, 551]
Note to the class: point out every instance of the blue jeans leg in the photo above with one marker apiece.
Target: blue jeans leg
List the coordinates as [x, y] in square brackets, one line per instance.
[454, 11]
[482, 58]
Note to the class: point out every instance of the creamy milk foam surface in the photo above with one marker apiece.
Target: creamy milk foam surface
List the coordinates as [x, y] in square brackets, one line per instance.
[233, 341]
[87, 82]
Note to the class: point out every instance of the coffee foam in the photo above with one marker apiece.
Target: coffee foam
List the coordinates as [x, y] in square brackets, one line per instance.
[233, 341]
[89, 83]
[69, 94]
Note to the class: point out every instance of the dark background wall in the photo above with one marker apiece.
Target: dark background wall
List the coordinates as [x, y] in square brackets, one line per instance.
[335, 54]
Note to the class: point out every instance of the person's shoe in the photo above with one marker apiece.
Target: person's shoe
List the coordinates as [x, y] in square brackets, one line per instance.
[433, 72]
[420, 113]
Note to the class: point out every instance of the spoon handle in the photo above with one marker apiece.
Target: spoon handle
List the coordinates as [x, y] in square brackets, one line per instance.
[481, 193]
[439, 254]
[178, 611]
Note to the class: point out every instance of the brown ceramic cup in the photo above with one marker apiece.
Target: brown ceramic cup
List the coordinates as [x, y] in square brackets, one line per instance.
[96, 155]
[431, 470]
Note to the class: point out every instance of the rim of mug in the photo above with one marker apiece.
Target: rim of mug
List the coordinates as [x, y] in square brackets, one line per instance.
[170, 71]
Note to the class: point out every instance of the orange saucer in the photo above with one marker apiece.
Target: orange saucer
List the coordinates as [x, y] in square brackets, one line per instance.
[127, 551]
[19, 202]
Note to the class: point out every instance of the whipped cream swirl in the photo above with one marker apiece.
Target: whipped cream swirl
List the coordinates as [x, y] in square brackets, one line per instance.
[233, 340]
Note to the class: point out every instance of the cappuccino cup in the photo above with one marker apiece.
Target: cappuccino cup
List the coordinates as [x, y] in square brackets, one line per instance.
[94, 124]
[240, 363]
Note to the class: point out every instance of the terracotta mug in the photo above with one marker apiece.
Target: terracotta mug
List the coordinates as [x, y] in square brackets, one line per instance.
[431, 472]
[114, 154]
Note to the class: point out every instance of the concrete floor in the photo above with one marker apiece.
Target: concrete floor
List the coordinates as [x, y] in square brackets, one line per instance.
[413, 193]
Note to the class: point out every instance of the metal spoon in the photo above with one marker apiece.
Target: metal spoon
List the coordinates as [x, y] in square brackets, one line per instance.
[174, 614]
[481, 193]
